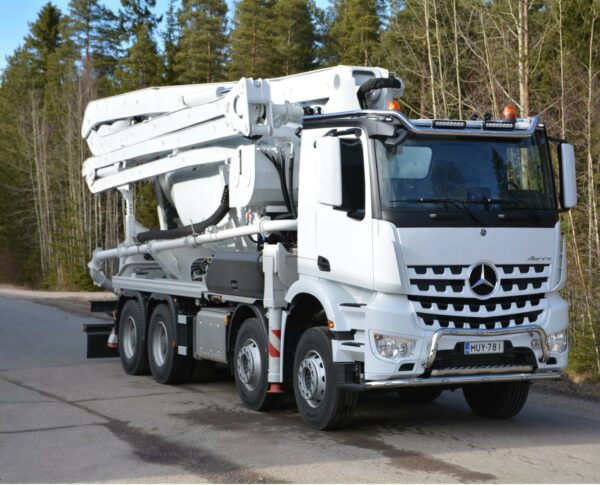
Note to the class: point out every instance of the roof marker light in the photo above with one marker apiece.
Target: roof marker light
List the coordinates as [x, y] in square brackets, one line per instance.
[498, 125]
[452, 124]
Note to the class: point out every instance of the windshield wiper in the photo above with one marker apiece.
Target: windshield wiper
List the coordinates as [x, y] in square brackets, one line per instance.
[458, 203]
[514, 202]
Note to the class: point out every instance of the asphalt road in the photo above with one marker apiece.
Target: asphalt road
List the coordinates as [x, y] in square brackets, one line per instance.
[65, 419]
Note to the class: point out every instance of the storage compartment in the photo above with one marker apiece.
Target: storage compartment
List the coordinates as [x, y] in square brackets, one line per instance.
[236, 273]
[210, 335]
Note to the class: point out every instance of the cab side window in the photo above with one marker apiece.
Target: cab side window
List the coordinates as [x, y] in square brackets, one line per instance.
[353, 178]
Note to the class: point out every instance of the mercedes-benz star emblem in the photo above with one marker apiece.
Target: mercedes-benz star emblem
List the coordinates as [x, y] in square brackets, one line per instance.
[483, 279]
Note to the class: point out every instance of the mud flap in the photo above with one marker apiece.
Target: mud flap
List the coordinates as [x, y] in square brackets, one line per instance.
[97, 339]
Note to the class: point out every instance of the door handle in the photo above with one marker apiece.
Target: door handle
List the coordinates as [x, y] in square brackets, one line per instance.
[323, 264]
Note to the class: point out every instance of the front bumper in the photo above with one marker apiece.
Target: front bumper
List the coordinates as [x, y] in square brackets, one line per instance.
[454, 381]
[392, 315]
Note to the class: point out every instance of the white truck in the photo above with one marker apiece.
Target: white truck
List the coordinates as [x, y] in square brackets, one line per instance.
[311, 236]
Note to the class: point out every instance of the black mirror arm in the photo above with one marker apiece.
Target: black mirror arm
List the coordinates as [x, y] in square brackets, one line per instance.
[555, 139]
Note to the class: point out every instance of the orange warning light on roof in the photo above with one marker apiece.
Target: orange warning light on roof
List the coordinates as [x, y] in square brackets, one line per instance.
[394, 105]
[510, 112]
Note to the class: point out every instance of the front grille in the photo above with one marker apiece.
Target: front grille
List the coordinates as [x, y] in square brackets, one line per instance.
[454, 361]
[442, 298]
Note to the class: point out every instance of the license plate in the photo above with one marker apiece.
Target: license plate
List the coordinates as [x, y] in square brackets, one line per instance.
[484, 347]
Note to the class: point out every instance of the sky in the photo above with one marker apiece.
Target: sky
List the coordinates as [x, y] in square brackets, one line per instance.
[18, 14]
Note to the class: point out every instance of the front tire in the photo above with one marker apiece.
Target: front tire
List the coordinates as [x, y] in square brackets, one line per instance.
[167, 366]
[132, 339]
[321, 403]
[497, 400]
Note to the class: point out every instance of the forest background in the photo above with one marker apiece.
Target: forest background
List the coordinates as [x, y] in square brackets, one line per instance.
[457, 57]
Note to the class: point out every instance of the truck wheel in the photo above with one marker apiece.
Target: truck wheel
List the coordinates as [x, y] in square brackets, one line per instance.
[321, 403]
[251, 367]
[420, 394]
[132, 339]
[497, 400]
[167, 366]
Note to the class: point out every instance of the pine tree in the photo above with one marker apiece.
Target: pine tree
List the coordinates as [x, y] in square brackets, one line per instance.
[142, 66]
[201, 56]
[19, 256]
[93, 30]
[171, 38]
[28, 86]
[135, 14]
[252, 51]
[295, 34]
[44, 38]
[355, 31]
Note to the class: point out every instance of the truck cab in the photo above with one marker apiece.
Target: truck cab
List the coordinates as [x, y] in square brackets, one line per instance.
[438, 244]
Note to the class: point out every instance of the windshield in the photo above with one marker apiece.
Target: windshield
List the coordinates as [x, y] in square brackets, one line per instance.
[478, 174]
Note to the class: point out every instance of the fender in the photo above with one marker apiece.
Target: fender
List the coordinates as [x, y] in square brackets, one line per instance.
[168, 299]
[123, 298]
[328, 293]
[237, 318]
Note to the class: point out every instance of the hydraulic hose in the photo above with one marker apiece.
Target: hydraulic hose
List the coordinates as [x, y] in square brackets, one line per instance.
[199, 228]
[280, 168]
[372, 85]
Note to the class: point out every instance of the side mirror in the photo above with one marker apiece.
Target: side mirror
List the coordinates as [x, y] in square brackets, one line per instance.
[566, 157]
[330, 176]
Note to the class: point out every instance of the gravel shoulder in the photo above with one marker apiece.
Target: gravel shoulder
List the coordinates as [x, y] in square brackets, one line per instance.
[13, 291]
[565, 386]
[77, 302]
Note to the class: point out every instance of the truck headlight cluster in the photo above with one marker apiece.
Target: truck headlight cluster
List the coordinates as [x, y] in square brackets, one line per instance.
[557, 342]
[392, 347]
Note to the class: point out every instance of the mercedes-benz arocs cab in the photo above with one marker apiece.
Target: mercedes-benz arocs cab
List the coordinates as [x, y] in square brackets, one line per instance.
[312, 237]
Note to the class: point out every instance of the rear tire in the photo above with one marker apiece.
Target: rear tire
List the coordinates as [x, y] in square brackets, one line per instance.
[497, 400]
[251, 367]
[167, 366]
[420, 394]
[320, 401]
[132, 339]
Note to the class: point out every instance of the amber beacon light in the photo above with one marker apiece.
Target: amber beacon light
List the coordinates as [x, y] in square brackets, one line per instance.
[394, 105]
[510, 112]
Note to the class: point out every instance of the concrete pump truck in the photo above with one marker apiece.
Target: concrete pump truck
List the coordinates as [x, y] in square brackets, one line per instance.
[313, 237]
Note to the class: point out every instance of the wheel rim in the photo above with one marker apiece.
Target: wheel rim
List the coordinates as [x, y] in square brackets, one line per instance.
[249, 365]
[129, 337]
[160, 343]
[312, 379]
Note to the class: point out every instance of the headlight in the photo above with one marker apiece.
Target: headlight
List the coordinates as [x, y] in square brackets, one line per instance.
[557, 342]
[393, 347]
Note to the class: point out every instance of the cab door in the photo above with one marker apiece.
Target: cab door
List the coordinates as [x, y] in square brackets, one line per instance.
[343, 233]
